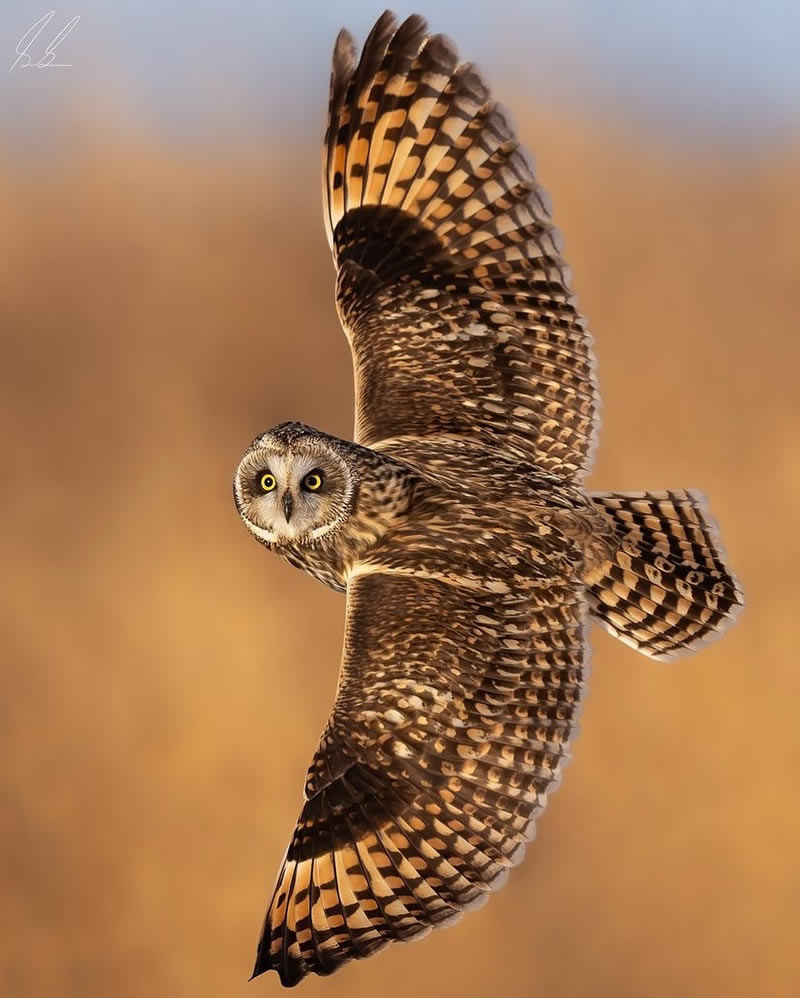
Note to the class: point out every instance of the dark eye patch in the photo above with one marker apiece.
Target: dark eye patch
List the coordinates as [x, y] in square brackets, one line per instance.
[313, 481]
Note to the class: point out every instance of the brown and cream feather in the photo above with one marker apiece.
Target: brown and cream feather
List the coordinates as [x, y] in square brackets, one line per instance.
[457, 522]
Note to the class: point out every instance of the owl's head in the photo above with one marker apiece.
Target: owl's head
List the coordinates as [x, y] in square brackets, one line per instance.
[293, 485]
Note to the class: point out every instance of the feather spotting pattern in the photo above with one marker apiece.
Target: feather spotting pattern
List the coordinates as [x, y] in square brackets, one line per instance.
[668, 589]
[452, 723]
[450, 275]
[472, 557]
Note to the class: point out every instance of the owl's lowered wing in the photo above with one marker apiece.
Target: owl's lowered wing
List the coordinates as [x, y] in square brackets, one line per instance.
[451, 286]
[452, 721]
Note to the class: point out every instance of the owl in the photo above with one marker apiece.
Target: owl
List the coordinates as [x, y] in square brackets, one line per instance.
[457, 523]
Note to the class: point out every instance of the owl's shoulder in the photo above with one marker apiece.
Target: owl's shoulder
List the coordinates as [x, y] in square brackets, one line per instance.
[482, 489]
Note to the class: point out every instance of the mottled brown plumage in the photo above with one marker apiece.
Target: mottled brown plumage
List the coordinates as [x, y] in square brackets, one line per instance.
[457, 524]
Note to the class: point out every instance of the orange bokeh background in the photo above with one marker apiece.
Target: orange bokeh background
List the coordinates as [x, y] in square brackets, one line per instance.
[165, 680]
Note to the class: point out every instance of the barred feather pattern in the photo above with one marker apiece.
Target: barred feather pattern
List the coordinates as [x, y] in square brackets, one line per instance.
[471, 556]
[452, 722]
[668, 589]
[429, 201]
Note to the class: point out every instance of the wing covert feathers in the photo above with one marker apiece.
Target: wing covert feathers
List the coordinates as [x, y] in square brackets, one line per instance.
[442, 761]
[668, 590]
[429, 200]
[465, 649]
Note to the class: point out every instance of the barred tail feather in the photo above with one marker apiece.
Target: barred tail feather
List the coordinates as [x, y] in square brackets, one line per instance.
[668, 589]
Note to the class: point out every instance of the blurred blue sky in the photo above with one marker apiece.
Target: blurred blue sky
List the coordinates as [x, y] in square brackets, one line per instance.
[713, 70]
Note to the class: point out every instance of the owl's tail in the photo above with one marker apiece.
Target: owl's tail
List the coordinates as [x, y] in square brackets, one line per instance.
[668, 589]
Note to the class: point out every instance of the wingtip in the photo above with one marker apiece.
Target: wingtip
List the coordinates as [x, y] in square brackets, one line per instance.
[382, 30]
[288, 979]
[344, 54]
[414, 24]
[261, 966]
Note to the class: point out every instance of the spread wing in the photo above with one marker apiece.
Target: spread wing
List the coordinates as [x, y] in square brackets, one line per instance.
[451, 286]
[452, 721]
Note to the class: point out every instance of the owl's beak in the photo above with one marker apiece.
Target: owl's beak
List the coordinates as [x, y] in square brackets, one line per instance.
[288, 505]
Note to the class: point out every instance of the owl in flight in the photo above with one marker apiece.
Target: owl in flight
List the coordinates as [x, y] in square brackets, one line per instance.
[457, 523]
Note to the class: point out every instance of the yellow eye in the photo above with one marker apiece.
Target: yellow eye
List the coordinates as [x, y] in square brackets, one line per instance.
[267, 482]
[313, 481]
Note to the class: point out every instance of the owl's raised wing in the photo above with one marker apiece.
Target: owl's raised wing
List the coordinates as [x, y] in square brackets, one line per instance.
[452, 721]
[451, 287]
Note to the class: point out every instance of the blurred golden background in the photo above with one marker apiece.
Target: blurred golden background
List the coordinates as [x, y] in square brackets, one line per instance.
[164, 679]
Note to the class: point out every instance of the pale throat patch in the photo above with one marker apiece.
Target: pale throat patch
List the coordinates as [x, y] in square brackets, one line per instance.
[290, 534]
